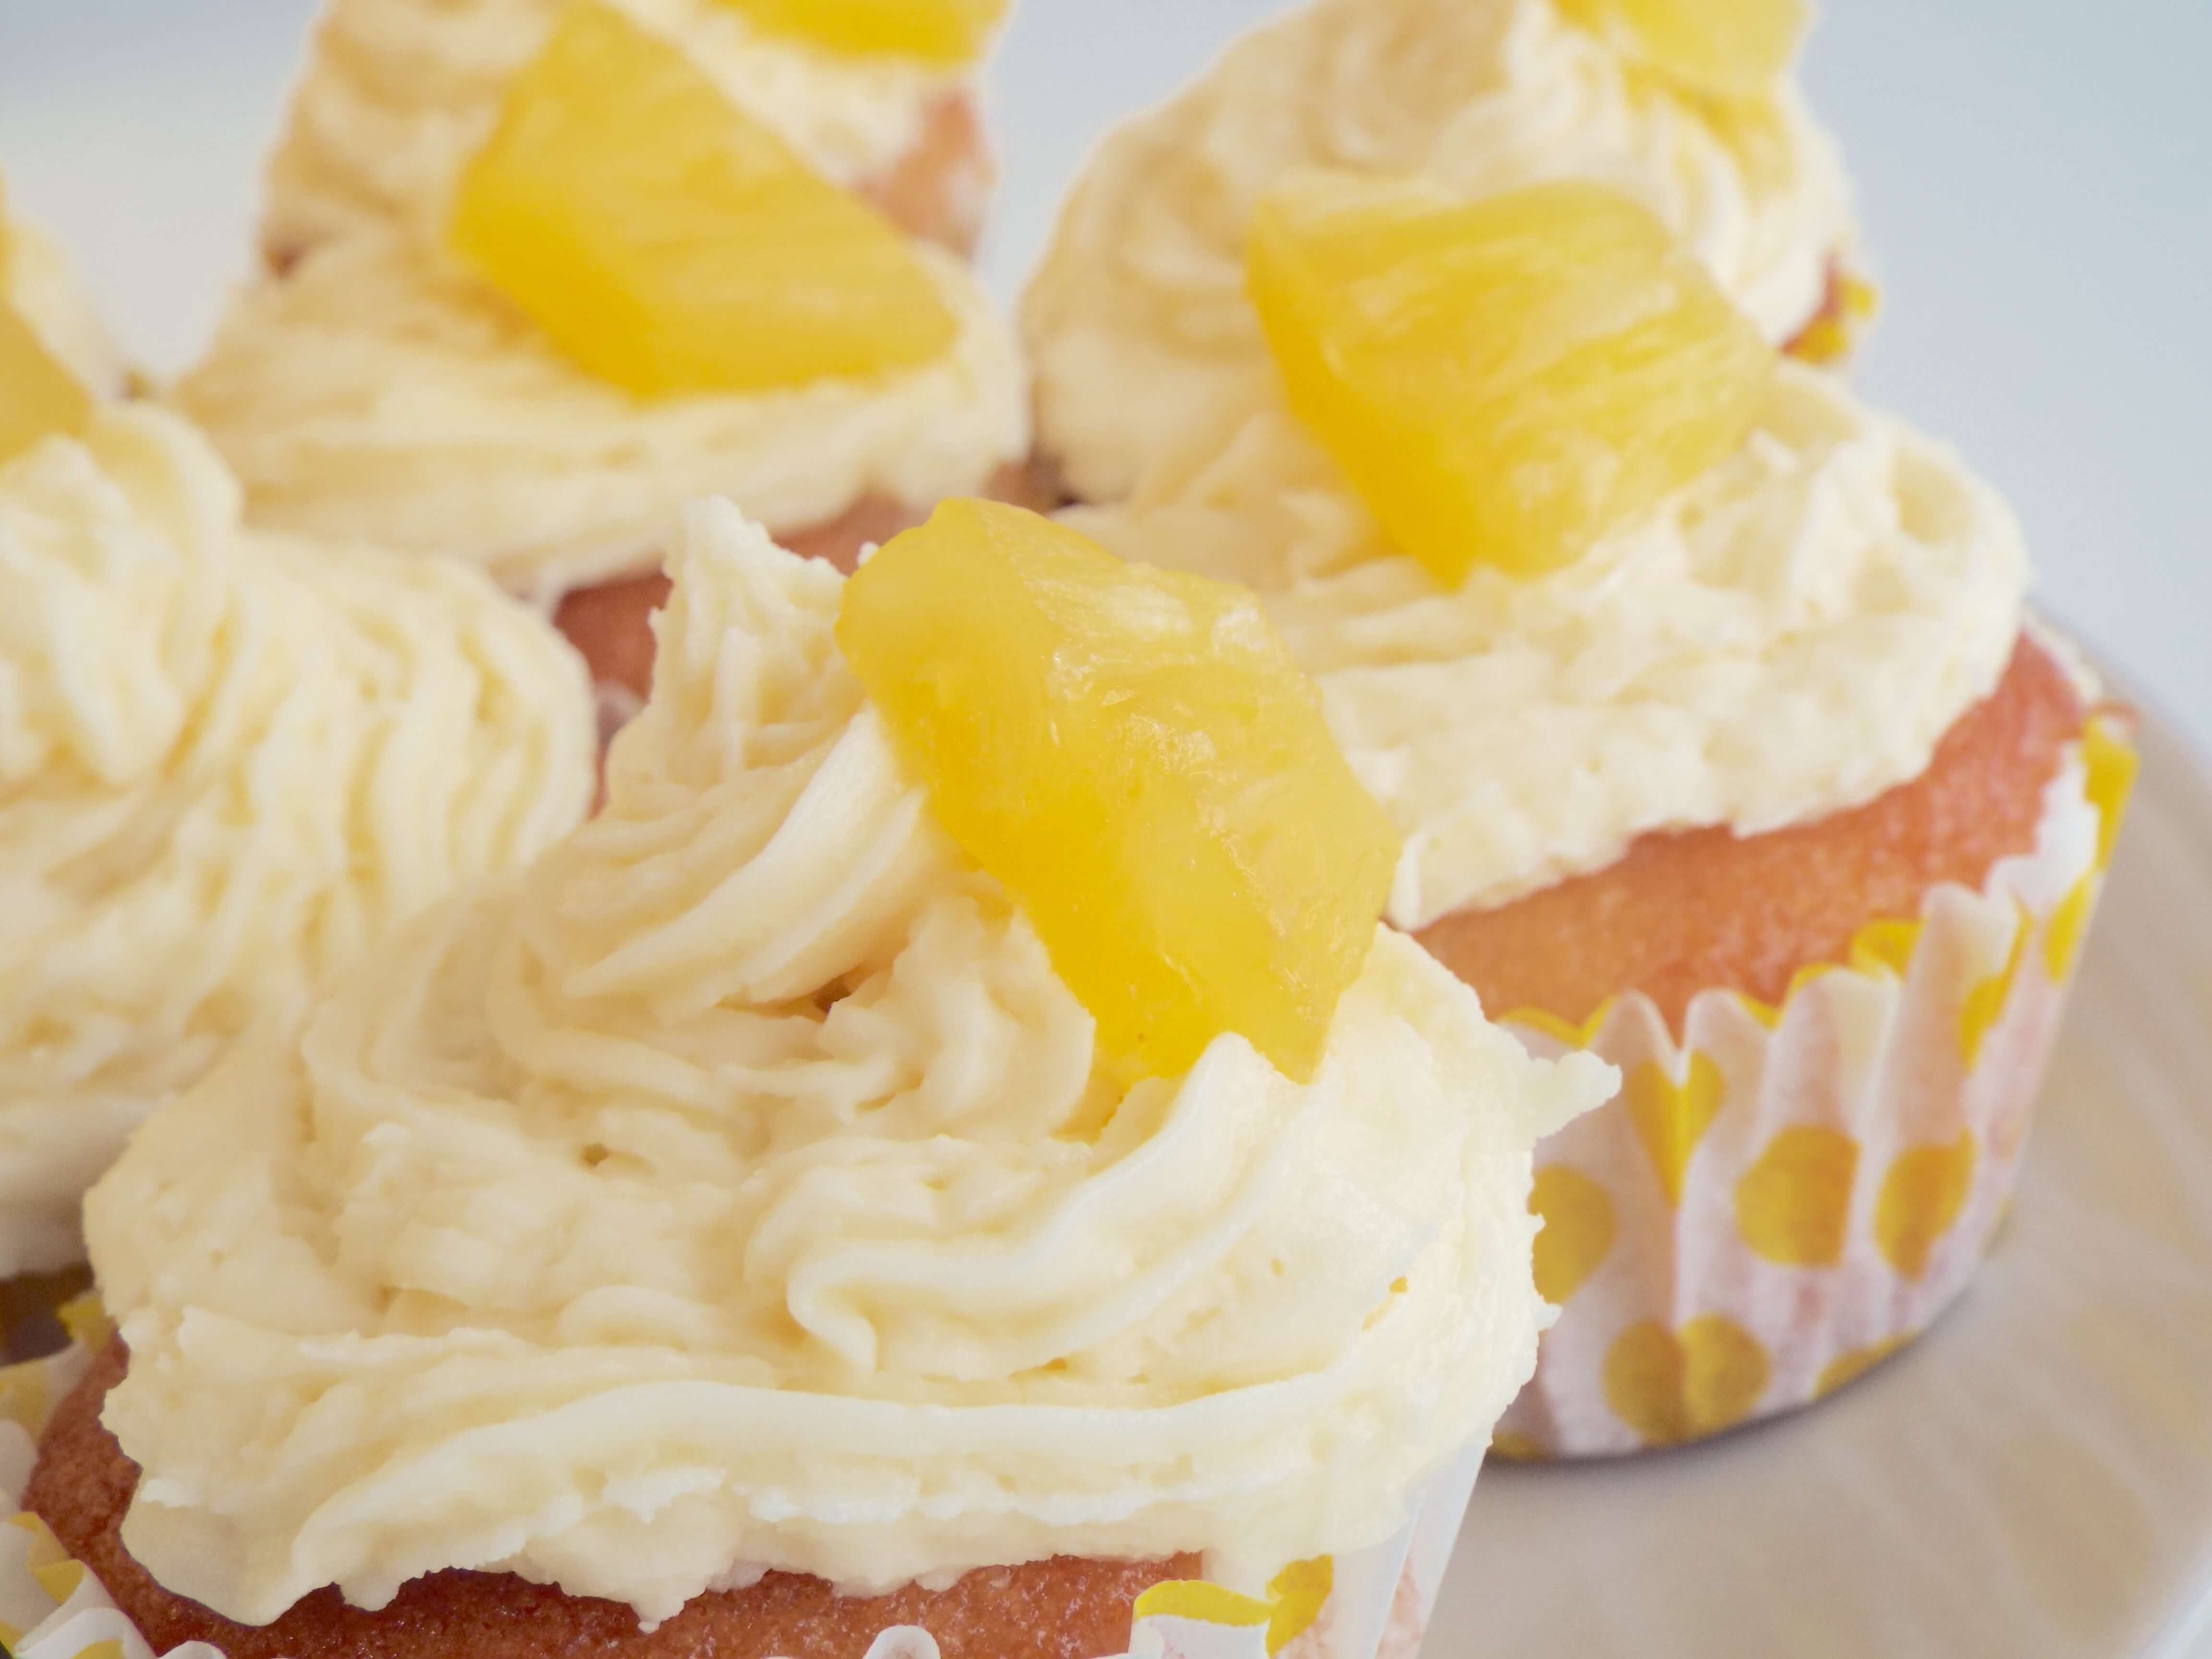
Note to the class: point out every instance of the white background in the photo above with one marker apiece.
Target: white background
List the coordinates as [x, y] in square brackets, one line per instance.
[2035, 175]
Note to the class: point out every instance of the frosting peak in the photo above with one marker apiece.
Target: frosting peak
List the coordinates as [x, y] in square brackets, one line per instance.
[40, 280]
[738, 1190]
[369, 387]
[229, 762]
[1143, 287]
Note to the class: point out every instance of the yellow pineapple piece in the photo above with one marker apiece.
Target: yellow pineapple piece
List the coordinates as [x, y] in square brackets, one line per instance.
[1504, 381]
[1134, 754]
[1721, 48]
[947, 32]
[671, 245]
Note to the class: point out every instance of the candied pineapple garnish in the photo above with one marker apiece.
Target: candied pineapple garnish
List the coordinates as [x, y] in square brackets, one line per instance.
[942, 31]
[1721, 48]
[669, 243]
[1504, 381]
[1134, 755]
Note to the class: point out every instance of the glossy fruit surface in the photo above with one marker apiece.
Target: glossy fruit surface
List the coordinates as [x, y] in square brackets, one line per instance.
[671, 244]
[1721, 48]
[1134, 754]
[946, 33]
[1504, 381]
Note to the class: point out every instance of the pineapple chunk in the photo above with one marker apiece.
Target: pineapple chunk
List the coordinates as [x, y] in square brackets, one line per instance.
[671, 245]
[1721, 48]
[1504, 382]
[945, 33]
[1134, 755]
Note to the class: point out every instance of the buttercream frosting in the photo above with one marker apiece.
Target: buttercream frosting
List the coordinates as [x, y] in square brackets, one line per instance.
[378, 391]
[737, 1191]
[1788, 636]
[227, 764]
[1147, 354]
[41, 283]
[399, 94]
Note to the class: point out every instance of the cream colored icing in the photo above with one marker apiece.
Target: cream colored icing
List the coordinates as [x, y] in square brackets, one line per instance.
[1147, 354]
[39, 280]
[376, 392]
[1788, 636]
[738, 1190]
[227, 764]
[399, 94]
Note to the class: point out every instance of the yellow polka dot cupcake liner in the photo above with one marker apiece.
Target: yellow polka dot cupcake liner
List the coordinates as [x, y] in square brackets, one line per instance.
[1788, 1195]
[1373, 1604]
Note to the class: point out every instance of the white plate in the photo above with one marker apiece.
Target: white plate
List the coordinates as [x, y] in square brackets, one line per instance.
[2030, 1480]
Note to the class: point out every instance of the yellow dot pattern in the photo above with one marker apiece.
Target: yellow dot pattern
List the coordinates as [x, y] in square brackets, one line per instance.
[1848, 1367]
[1985, 1002]
[1294, 1604]
[60, 1579]
[2070, 923]
[1674, 1387]
[1203, 1604]
[1793, 1205]
[1579, 1228]
[1832, 335]
[1561, 1031]
[1921, 1199]
[1513, 1447]
[86, 1322]
[1885, 947]
[1298, 1593]
[1791, 1192]
[1671, 1118]
[2111, 763]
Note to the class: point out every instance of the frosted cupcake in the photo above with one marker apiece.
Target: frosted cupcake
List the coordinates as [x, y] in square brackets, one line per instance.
[881, 100]
[228, 763]
[552, 269]
[1706, 702]
[946, 1157]
[1144, 347]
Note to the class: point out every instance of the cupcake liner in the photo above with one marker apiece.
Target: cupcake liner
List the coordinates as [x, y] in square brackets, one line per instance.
[1788, 1195]
[1373, 1604]
[1833, 338]
[32, 1308]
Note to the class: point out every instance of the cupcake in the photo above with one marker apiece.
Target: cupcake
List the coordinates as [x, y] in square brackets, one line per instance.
[947, 1159]
[546, 271]
[229, 762]
[883, 100]
[1706, 700]
[1146, 351]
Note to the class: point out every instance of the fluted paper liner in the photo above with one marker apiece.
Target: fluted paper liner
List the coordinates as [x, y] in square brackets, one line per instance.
[1788, 1195]
[1372, 1605]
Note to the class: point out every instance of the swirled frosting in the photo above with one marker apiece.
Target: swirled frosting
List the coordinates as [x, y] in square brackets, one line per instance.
[399, 94]
[1147, 353]
[738, 1190]
[1788, 636]
[227, 765]
[375, 391]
